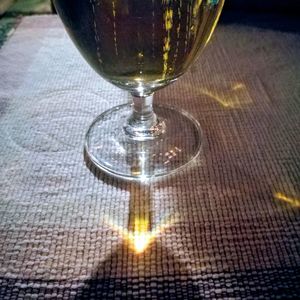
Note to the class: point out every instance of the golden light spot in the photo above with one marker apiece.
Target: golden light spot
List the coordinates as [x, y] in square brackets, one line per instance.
[167, 46]
[227, 95]
[294, 202]
[238, 86]
[165, 56]
[216, 97]
[140, 237]
[178, 29]
[140, 241]
[140, 55]
[168, 17]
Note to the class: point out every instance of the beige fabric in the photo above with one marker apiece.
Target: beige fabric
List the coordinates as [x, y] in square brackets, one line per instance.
[234, 215]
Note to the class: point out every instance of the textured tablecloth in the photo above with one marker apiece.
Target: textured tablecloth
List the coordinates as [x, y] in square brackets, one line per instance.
[229, 224]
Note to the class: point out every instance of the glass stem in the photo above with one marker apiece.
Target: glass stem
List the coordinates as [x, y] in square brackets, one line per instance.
[143, 123]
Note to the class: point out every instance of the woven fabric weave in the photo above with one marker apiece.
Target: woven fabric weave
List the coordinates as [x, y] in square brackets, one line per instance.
[232, 219]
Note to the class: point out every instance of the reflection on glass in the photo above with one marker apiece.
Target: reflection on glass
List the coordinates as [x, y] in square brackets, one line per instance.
[141, 46]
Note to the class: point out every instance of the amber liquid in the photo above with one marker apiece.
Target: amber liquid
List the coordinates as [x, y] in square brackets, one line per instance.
[140, 45]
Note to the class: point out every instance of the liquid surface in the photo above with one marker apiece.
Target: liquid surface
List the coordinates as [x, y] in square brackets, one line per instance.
[140, 45]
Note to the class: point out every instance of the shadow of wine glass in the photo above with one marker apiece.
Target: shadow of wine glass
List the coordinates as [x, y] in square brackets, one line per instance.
[142, 264]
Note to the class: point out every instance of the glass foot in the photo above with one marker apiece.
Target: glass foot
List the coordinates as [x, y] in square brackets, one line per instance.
[112, 150]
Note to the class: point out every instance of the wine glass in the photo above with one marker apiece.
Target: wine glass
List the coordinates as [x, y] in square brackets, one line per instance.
[141, 46]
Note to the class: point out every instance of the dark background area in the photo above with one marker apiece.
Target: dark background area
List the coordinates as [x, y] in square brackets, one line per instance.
[264, 6]
[283, 15]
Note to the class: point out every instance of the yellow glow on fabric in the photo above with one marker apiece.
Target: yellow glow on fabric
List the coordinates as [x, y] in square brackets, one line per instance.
[140, 237]
[294, 202]
[238, 86]
[235, 95]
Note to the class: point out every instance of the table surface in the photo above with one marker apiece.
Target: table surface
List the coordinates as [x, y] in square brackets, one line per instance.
[227, 227]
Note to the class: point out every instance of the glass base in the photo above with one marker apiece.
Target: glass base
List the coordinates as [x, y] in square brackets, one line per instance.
[114, 152]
